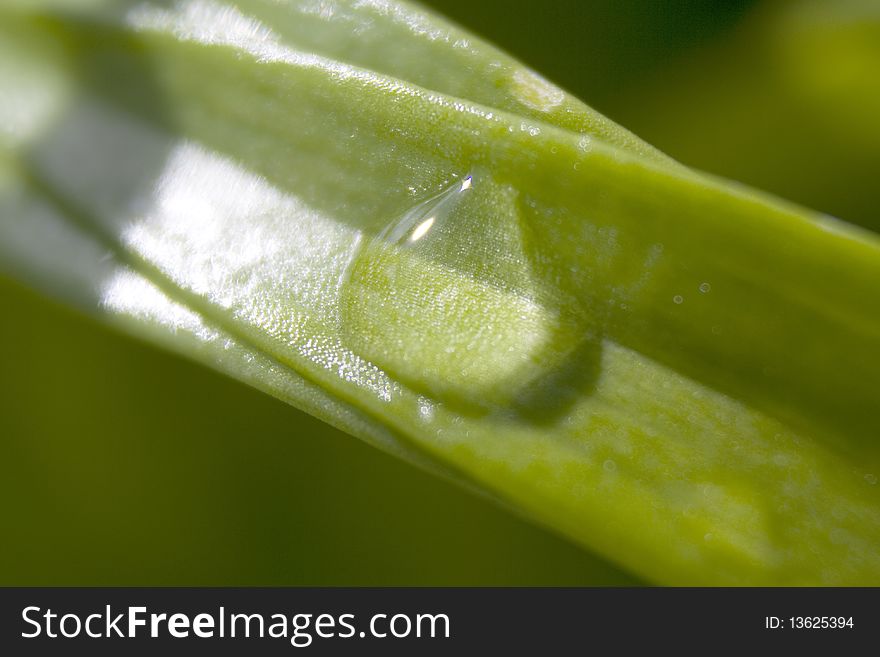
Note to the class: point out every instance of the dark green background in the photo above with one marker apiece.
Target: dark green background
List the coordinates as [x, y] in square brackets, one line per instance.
[124, 464]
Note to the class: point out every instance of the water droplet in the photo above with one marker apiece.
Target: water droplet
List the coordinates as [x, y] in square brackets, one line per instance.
[443, 299]
[678, 299]
[609, 466]
[426, 409]
[871, 479]
[705, 288]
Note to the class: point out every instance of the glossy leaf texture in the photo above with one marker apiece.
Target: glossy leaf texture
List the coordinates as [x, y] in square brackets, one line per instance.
[372, 215]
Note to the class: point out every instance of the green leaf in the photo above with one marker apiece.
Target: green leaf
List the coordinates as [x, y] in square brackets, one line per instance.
[385, 222]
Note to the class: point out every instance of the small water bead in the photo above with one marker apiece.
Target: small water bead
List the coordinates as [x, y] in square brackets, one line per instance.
[443, 298]
[678, 299]
[609, 466]
[426, 409]
[871, 479]
[533, 130]
[705, 288]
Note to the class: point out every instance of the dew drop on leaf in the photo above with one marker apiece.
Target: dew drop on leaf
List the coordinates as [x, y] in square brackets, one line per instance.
[444, 299]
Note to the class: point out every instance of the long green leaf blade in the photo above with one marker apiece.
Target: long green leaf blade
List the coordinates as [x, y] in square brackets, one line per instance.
[492, 281]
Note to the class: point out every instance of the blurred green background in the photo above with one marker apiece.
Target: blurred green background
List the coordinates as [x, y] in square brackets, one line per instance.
[122, 464]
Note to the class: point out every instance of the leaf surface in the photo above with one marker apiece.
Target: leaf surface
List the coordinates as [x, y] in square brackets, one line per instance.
[377, 218]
